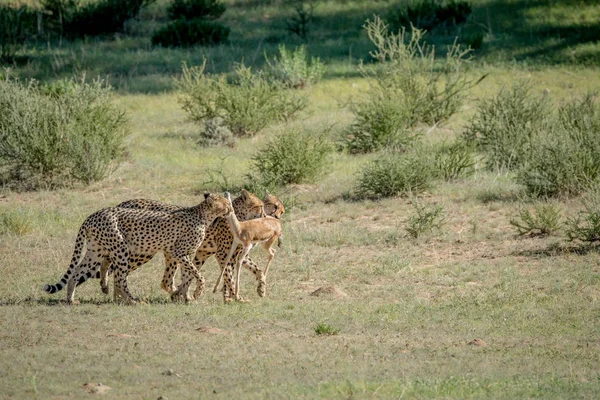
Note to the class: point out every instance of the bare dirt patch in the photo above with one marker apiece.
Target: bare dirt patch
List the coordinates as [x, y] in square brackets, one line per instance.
[96, 388]
[210, 329]
[329, 291]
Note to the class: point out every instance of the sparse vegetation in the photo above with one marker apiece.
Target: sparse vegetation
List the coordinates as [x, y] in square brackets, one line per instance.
[395, 174]
[51, 138]
[543, 221]
[14, 222]
[506, 124]
[585, 226]
[455, 160]
[410, 87]
[426, 219]
[292, 157]
[246, 105]
[293, 69]
[324, 329]
[564, 160]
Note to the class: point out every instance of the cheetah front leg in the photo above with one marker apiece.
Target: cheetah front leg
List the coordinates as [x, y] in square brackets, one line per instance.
[192, 272]
[120, 259]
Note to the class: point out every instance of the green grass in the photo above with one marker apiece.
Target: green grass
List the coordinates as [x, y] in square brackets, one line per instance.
[412, 307]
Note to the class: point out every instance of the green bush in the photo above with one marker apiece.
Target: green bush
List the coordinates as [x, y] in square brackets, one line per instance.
[430, 14]
[585, 226]
[246, 105]
[425, 220]
[17, 25]
[505, 125]
[564, 159]
[455, 160]
[543, 221]
[292, 68]
[193, 9]
[79, 19]
[293, 157]
[104, 17]
[303, 14]
[325, 329]
[380, 123]
[410, 87]
[395, 175]
[48, 139]
[183, 33]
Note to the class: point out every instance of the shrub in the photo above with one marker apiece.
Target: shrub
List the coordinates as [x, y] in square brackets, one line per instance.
[291, 158]
[17, 24]
[292, 69]
[380, 123]
[100, 17]
[585, 226]
[504, 125]
[394, 174]
[410, 87]
[425, 220]
[182, 33]
[52, 140]
[430, 14]
[193, 9]
[565, 159]
[216, 134]
[455, 160]
[298, 24]
[246, 105]
[326, 329]
[543, 221]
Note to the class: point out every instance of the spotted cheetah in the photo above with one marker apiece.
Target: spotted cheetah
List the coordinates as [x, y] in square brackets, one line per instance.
[246, 206]
[219, 240]
[115, 233]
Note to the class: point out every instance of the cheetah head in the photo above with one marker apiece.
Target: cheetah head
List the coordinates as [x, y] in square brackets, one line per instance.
[273, 206]
[248, 206]
[218, 205]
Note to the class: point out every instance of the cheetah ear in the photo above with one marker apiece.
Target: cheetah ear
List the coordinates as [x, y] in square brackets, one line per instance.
[206, 195]
[245, 194]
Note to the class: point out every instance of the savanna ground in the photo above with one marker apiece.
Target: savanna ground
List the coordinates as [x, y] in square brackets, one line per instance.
[413, 307]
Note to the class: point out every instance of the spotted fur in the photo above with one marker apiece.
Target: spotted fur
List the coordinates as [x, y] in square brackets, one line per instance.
[113, 235]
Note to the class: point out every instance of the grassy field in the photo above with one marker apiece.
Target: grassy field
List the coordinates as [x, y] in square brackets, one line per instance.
[471, 311]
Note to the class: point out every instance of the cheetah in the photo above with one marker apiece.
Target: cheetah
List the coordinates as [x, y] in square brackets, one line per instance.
[246, 206]
[111, 234]
[219, 239]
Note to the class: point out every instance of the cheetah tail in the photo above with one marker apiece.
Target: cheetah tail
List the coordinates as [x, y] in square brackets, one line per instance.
[74, 262]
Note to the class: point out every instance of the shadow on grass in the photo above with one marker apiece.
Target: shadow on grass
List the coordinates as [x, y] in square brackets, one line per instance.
[51, 302]
[541, 31]
[556, 249]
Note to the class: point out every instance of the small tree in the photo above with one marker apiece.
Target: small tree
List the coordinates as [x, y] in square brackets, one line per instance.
[17, 24]
[192, 23]
[410, 87]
